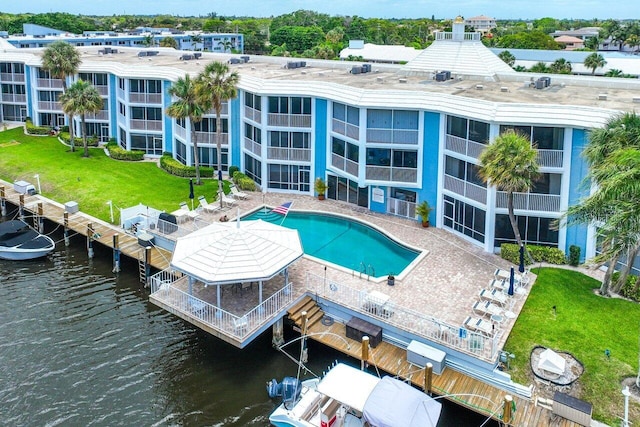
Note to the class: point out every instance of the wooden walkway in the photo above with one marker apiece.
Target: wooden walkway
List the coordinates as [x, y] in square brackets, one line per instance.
[78, 224]
[464, 390]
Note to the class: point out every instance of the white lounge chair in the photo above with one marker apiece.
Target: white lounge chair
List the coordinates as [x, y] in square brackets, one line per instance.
[486, 308]
[237, 194]
[494, 296]
[181, 214]
[227, 201]
[208, 207]
[479, 325]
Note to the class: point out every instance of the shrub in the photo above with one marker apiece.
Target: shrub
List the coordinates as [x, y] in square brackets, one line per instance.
[232, 170]
[627, 289]
[176, 168]
[511, 252]
[574, 255]
[243, 181]
[77, 141]
[118, 153]
[36, 130]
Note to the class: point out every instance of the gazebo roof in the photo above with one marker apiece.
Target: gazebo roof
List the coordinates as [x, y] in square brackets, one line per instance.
[239, 251]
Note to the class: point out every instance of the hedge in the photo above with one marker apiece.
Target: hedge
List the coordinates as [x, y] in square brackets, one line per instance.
[92, 141]
[627, 289]
[36, 130]
[243, 182]
[176, 168]
[118, 153]
[511, 252]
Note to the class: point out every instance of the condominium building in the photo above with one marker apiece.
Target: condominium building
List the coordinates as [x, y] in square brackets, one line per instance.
[385, 137]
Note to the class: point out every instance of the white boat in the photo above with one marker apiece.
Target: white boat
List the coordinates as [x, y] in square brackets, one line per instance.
[349, 397]
[18, 241]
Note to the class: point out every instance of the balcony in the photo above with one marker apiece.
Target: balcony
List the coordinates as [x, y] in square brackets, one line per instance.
[550, 158]
[103, 90]
[253, 114]
[100, 115]
[344, 164]
[290, 154]
[210, 138]
[154, 125]
[464, 146]
[530, 201]
[290, 120]
[465, 189]
[181, 132]
[401, 208]
[9, 77]
[145, 98]
[346, 129]
[392, 136]
[14, 98]
[253, 147]
[49, 105]
[392, 174]
[120, 94]
[49, 83]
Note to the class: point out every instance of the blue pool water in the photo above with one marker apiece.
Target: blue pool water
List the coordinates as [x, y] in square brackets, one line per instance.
[345, 242]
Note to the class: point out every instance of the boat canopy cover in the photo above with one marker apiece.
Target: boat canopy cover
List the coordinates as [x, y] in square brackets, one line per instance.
[395, 403]
[348, 385]
[17, 234]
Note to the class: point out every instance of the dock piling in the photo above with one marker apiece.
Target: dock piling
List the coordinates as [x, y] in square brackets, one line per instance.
[507, 414]
[116, 253]
[65, 222]
[147, 265]
[365, 353]
[3, 201]
[40, 217]
[90, 240]
[428, 377]
[305, 350]
[21, 207]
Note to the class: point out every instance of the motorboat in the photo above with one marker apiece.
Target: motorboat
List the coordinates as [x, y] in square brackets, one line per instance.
[18, 241]
[348, 397]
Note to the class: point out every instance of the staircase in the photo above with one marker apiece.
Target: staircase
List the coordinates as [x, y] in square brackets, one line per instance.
[314, 312]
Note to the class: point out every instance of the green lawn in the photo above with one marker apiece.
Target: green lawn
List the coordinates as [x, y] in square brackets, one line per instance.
[585, 325]
[66, 176]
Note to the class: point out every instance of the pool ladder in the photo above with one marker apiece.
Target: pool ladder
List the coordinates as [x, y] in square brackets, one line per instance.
[368, 270]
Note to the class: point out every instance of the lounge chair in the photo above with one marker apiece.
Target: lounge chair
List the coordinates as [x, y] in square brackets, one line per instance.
[500, 284]
[494, 296]
[478, 325]
[227, 201]
[486, 308]
[237, 194]
[192, 214]
[181, 214]
[208, 207]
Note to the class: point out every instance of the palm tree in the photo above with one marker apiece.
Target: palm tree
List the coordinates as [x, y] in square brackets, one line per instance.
[560, 66]
[217, 84]
[510, 164]
[188, 105]
[594, 61]
[62, 60]
[614, 72]
[82, 98]
[169, 42]
[148, 40]
[195, 39]
[226, 45]
[507, 57]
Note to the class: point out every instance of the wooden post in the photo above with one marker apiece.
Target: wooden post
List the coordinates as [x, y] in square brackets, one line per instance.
[116, 253]
[278, 333]
[365, 353]
[90, 240]
[21, 207]
[40, 217]
[305, 350]
[428, 377]
[65, 223]
[507, 415]
[3, 201]
[147, 264]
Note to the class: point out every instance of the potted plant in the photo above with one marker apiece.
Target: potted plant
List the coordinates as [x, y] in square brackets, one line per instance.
[423, 210]
[391, 279]
[321, 187]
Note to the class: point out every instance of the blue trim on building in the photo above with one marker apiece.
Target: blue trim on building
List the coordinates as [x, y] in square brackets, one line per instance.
[320, 132]
[380, 207]
[234, 128]
[113, 105]
[430, 157]
[28, 89]
[168, 121]
[577, 234]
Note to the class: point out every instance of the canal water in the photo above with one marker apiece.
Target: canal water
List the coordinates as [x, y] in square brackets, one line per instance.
[80, 346]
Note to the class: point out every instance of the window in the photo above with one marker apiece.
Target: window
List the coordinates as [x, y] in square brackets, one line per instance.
[292, 105]
[253, 101]
[253, 133]
[464, 218]
[253, 168]
[289, 177]
[145, 86]
[468, 129]
[122, 138]
[146, 113]
[150, 144]
[181, 152]
[535, 230]
[209, 125]
[48, 96]
[462, 170]
[289, 139]
[405, 159]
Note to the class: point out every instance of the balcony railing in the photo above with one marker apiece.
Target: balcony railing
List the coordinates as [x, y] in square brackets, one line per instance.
[49, 105]
[394, 314]
[253, 114]
[100, 115]
[102, 89]
[530, 201]
[16, 98]
[145, 124]
[401, 208]
[290, 120]
[465, 189]
[120, 93]
[344, 164]
[181, 132]
[253, 147]
[49, 83]
[387, 173]
[447, 35]
[291, 154]
[10, 77]
[210, 138]
[346, 129]
[464, 146]
[392, 136]
[550, 158]
[145, 98]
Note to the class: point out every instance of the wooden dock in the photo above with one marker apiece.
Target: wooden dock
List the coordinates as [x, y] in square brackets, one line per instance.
[462, 389]
[82, 224]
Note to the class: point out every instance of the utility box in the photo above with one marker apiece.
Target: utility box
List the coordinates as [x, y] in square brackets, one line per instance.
[71, 207]
[145, 240]
[21, 186]
[420, 354]
[571, 408]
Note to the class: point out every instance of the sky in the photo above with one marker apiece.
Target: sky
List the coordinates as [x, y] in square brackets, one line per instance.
[441, 9]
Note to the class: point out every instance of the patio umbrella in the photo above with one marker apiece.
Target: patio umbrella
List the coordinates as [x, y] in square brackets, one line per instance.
[521, 267]
[512, 280]
[191, 196]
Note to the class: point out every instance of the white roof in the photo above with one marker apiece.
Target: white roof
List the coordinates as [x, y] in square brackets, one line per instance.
[348, 385]
[239, 251]
[551, 361]
[382, 53]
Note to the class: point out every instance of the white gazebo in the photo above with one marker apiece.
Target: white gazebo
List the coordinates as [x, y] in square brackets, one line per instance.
[227, 253]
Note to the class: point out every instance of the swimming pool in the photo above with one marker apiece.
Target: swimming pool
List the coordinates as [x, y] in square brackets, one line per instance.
[348, 243]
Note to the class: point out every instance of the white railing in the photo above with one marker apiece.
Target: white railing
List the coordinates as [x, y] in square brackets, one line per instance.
[290, 120]
[122, 120]
[344, 164]
[164, 288]
[253, 114]
[550, 158]
[530, 201]
[145, 98]
[464, 146]
[49, 83]
[102, 89]
[145, 124]
[401, 207]
[252, 146]
[49, 105]
[392, 136]
[181, 132]
[9, 77]
[293, 154]
[466, 189]
[442, 35]
[406, 319]
[14, 97]
[210, 138]
[387, 173]
[346, 129]
[100, 115]
[120, 94]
